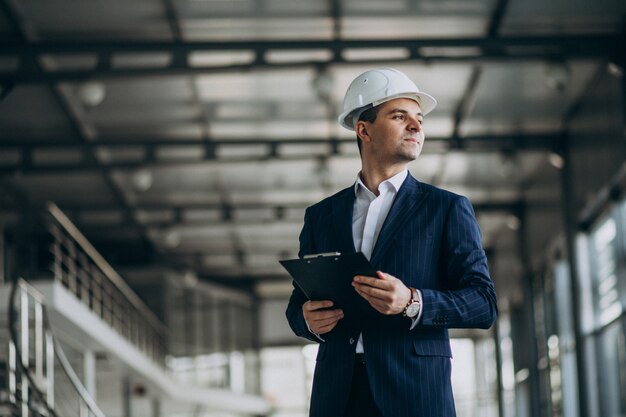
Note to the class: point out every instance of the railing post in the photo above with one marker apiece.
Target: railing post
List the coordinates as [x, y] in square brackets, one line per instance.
[89, 372]
[12, 371]
[24, 350]
[50, 369]
[39, 360]
[126, 397]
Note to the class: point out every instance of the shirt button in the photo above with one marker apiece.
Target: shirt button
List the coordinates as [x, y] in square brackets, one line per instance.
[352, 340]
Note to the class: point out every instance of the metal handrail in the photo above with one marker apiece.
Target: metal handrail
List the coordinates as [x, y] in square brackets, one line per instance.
[105, 267]
[58, 352]
[79, 267]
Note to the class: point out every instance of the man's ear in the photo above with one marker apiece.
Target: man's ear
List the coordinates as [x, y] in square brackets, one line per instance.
[361, 131]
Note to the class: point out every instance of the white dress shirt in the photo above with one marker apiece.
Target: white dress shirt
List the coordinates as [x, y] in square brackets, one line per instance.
[368, 215]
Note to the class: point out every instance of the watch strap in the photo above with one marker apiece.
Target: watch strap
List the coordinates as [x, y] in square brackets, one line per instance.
[414, 299]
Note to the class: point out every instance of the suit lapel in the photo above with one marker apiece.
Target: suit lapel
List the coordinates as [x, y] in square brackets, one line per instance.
[343, 206]
[405, 205]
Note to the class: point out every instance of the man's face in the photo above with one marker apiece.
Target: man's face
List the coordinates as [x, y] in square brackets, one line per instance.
[397, 134]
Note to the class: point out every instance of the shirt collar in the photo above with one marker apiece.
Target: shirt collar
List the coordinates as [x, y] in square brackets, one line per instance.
[395, 181]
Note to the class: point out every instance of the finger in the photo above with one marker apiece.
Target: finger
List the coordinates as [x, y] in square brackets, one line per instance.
[386, 284]
[316, 305]
[318, 327]
[326, 329]
[380, 305]
[324, 323]
[384, 276]
[367, 297]
[376, 304]
[323, 315]
[381, 293]
[362, 279]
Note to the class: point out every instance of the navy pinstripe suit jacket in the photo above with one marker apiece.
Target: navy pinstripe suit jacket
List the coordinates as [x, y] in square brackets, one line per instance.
[432, 242]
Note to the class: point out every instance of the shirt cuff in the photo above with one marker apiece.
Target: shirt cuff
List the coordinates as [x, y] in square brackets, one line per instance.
[317, 335]
[416, 319]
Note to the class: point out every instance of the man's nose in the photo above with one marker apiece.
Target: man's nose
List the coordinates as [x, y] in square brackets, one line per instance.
[414, 125]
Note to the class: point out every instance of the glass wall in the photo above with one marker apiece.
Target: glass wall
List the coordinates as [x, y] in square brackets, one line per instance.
[557, 355]
[602, 259]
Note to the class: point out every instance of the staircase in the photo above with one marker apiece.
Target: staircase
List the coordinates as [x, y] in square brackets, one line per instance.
[90, 307]
[7, 408]
[36, 378]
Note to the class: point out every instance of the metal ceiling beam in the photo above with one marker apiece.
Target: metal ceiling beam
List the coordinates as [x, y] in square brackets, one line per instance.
[482, 142]
[496, 18]
[429, 50]
[485, 207]
[172, 19]
[562, 42]
[460, 114]
[78, 155]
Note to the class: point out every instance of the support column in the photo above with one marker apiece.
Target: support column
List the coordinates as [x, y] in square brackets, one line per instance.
[570, 227]
[499, 379]
[156, 407]
[89, 372]
[2, 255]
[126, 397]
[529, 308]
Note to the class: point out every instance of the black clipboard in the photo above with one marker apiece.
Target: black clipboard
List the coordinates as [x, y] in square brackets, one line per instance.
[329, 277]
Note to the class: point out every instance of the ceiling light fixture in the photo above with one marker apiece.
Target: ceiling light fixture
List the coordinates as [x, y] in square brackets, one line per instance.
[142, 180]
[92, 93]
[615, 69]
[190, 279]
[509, 164]
[172, 239]
[556, 160]
[324, 84]
[512, 222]
[557, 76]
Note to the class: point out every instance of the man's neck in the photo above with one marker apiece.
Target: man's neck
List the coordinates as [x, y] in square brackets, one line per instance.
[372, 178]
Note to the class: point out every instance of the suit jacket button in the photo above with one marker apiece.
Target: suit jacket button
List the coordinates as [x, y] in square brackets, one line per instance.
[352, 340]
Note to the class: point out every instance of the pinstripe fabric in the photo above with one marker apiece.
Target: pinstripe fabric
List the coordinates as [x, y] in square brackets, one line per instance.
[431, 241]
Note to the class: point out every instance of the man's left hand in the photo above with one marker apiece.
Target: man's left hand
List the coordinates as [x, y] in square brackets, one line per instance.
[387, 294]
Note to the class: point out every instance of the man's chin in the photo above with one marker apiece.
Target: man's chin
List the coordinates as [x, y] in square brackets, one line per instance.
[410, 156]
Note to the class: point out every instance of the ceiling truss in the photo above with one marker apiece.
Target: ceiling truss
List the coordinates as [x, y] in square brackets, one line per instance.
[79, 159]
[178, 54]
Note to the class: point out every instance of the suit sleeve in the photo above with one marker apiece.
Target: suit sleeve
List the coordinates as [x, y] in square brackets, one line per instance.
[297, 299]
[469, 298]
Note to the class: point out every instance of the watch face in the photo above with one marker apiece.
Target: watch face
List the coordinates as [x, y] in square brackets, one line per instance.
[412, 310]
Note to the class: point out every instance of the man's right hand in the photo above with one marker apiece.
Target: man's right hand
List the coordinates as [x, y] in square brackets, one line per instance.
[321, 321]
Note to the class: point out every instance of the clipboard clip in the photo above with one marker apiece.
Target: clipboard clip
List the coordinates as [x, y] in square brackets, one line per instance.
[321, 255]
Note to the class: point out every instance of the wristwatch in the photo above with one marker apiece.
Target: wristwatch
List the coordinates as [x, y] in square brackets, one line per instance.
[413, 307]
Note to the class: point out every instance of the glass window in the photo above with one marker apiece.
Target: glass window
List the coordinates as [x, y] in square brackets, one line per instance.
[602, 260]
[604, 267]
[566, 341]
[611, 365]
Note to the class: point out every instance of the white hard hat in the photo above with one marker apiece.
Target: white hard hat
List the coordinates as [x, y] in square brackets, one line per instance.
[378, 86]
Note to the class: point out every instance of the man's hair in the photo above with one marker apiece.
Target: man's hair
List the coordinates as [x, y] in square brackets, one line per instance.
[368, 115]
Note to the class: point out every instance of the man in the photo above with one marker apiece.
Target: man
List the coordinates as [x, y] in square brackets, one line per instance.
[432, 271]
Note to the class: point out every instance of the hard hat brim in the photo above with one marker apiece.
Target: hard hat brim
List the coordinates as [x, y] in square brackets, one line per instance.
[426, 101]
